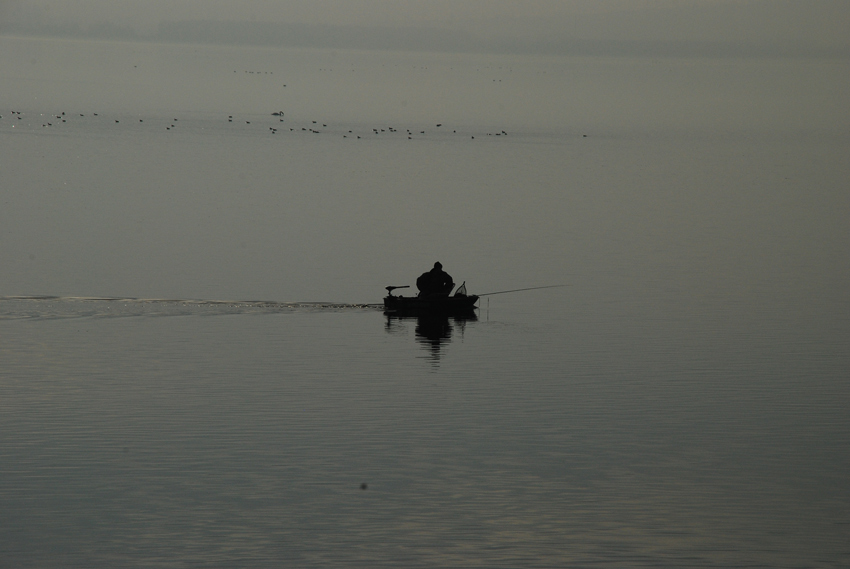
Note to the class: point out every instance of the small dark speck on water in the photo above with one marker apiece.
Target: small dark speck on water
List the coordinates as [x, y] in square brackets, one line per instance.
[364, 486]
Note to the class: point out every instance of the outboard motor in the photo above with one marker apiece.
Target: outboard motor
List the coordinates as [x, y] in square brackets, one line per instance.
[390, 289]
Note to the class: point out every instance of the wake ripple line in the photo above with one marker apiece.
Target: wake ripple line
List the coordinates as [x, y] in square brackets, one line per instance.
[270, 303]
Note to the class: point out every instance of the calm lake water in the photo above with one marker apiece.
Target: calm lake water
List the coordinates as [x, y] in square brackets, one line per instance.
[193, 371]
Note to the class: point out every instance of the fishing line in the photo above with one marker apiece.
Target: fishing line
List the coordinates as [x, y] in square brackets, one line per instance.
[521, 289]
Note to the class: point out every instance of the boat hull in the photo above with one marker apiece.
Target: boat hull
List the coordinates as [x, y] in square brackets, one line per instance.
[449, 305]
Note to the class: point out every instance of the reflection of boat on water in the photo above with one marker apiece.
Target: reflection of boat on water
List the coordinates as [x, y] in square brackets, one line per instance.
[459, 304]
[432, 329]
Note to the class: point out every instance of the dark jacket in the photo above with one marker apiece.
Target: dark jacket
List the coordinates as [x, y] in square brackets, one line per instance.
[435, 281]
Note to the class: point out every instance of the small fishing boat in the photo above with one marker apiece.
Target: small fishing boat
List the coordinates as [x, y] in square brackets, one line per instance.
[458, 303]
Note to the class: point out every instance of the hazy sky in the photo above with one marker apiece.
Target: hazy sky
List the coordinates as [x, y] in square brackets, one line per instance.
[764, 25]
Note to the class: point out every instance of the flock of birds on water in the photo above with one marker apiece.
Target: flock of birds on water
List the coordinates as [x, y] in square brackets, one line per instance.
[314, 127]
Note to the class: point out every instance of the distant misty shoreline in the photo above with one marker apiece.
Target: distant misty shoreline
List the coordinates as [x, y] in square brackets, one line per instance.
[413, 39]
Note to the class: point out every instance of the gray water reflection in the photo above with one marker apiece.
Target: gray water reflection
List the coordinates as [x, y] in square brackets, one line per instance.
[433, 331]
[243, 440]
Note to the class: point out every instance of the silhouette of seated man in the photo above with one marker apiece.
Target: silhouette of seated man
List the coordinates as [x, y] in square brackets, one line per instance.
[435, 282]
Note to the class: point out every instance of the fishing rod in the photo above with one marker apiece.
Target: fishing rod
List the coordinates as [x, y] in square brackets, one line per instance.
[521, 289]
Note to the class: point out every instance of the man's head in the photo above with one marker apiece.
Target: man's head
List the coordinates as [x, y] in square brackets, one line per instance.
[438, 266]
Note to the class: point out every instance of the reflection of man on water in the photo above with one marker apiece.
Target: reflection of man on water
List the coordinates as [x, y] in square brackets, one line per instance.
[435, 282]
[433, 331]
